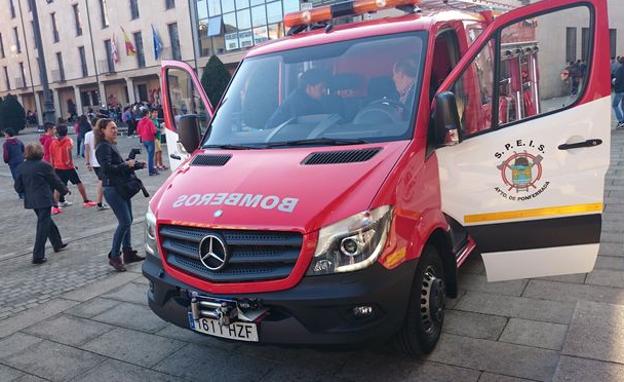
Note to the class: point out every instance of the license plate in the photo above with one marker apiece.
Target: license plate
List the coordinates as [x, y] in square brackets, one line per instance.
[241, 331]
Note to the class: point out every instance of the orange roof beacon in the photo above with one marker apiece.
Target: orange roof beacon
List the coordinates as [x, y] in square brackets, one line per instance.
[354, 165]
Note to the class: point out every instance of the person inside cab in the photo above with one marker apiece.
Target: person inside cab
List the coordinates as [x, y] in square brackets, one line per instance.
[404, 76]
[305, 100]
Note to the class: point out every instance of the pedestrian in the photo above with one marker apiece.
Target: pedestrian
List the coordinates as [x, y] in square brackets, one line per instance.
[83, 127]
[158, 162]
[147, 133]
[63, 163]
[93, 165]
[37, 180]
[46, 139]
[115, 174]
[13, 154]
[618, 88]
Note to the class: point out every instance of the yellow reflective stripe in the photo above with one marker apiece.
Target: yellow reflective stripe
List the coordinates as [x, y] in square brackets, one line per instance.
[535, 212]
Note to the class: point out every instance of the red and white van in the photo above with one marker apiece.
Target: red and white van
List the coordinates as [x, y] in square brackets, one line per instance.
[349, 170]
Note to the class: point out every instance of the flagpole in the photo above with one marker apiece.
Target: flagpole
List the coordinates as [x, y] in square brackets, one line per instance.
[97, 76]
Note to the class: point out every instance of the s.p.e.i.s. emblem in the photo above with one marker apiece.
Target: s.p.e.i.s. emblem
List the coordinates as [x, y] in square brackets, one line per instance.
[521, 171]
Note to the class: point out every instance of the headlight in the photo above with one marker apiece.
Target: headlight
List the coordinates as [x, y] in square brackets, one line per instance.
[353, 243]
[150, 233]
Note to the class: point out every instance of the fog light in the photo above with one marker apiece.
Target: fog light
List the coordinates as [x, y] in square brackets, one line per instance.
[363, 311]
[151, 286]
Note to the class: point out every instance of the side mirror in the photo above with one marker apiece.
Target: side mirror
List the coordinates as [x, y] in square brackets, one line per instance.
[189, 133]
[446, 122]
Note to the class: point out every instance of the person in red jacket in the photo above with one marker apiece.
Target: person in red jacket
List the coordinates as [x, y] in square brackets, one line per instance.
[147, 132]
[46, 138]
[63, 163]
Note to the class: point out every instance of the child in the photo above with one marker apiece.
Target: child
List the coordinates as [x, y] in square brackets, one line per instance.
[158, 154]
[13, 154]
[46, 138]
[63, 163]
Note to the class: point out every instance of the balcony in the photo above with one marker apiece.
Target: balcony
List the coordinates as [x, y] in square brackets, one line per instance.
[106, 67]
[19, 82]
[168, 54]
[58, 75]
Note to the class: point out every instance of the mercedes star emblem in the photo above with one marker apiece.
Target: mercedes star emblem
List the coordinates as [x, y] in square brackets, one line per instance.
[213, 252]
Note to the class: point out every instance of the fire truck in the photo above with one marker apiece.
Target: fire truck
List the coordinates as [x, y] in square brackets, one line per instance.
[351, 168]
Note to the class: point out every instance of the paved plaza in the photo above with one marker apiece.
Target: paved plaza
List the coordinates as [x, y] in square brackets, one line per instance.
[73, 319]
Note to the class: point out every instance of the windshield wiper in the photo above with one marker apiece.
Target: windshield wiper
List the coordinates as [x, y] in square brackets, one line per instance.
[318, 141]
[232, 147]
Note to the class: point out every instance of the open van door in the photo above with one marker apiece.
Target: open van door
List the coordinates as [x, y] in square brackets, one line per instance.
[183, 95]
[526, 176]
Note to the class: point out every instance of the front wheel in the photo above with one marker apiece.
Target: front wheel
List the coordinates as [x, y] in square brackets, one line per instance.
[425, 313]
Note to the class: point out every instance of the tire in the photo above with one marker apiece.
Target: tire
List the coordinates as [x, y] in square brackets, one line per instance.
[425, 314]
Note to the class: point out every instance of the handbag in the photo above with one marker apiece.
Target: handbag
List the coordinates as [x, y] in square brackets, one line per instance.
[131, 187]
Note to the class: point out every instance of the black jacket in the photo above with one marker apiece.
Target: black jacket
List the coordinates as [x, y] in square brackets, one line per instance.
[618, 86]
[114, 169]
[37, 180]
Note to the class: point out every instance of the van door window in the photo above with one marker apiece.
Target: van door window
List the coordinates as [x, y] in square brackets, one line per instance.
[535, 76]
[473, 92]
[184, 98]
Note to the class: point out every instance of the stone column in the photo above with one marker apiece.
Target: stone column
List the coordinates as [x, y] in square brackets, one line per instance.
[103, 95]
[57, 104]
[78, 100]
[39, 108]
[131, 94]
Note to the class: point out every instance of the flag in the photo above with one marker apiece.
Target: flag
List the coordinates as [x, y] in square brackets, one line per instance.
[158, 44]
[130, 50]
[114, 50]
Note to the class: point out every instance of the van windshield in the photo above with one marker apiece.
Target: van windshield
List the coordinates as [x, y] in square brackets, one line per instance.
[348, 92]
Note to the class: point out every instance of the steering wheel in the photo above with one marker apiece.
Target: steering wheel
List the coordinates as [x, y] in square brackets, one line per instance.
[381, 111]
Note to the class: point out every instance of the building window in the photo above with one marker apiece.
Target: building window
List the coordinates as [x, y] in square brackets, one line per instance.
[2, 55]
[12, 8]
[175, 41]
[134, 9]
[77, 20]
[104, 13]
[140, 54]
[83, 61]
[23, 74]
[18, 47]
[55, 33]
[6, 78]
[169, 4]
[570, 44]
[585, 34]
[61, 67]
[613, 42]
[109, 56]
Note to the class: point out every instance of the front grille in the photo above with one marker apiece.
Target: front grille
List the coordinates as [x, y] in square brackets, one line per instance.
[253, 255]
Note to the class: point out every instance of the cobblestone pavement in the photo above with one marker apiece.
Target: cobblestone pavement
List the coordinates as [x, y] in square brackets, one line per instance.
[81, 322]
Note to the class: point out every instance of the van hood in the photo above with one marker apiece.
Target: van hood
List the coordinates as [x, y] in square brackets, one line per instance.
[273, 190]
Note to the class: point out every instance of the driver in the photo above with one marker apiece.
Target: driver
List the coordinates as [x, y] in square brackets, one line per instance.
[404, 76]
[305, 100]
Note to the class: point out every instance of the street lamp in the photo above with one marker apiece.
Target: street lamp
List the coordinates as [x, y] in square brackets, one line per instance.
[48, 103]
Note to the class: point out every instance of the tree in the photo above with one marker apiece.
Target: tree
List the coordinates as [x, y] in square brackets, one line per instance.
[12, 114]
[215, 79]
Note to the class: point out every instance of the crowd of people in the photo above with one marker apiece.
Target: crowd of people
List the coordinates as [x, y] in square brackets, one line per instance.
[42, 171]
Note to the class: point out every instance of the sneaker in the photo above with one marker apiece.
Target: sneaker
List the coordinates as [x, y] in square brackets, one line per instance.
[89, 204]
[66, 203]
[57, 210]
[102, 207]
[620, 125]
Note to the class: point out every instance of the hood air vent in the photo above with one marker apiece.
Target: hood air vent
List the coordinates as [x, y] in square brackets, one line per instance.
[211, 160]
[333, 157]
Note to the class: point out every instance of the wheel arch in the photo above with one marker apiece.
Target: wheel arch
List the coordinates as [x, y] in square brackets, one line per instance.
[441, 240]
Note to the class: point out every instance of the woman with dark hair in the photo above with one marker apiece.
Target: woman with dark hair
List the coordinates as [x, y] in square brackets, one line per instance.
[37, 180]
[116, 173]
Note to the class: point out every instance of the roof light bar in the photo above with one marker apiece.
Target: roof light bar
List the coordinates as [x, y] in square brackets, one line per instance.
[349, 8]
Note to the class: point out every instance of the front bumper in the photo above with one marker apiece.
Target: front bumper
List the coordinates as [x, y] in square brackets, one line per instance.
[318, 311]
